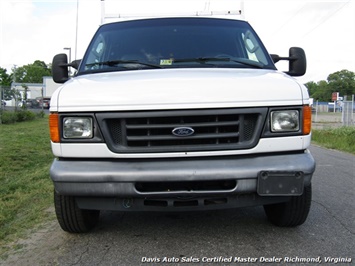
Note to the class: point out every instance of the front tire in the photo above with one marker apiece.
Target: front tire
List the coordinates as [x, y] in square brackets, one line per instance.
[72, 219]
[291, 213]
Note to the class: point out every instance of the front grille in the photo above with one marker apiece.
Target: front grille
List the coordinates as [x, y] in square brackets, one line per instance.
[153, 131]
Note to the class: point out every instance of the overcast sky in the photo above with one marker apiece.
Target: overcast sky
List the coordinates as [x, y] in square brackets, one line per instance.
[38, 29]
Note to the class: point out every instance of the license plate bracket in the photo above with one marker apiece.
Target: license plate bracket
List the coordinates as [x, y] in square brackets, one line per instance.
[279, 183]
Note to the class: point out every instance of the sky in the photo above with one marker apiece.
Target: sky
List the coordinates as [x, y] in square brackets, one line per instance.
[39, 29]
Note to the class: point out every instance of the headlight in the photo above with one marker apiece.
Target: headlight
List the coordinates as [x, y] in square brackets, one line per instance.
[285, 120]
[77, 127]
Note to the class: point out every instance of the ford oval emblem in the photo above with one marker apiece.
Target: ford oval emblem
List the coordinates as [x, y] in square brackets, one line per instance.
[183, 131]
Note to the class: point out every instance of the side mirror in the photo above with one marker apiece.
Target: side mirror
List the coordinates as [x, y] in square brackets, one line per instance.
[297, 61]
[60, 68]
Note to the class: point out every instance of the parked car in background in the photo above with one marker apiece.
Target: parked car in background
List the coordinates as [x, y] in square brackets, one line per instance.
[338, 107]
[32, 103]
[44, 102]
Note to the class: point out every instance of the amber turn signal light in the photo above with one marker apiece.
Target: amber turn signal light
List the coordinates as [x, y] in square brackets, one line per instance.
[307, 119]
[54, 127]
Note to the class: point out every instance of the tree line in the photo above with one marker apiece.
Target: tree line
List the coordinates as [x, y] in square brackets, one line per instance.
[341, 81]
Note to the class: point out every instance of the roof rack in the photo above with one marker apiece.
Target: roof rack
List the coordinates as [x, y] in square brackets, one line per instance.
[236, 14]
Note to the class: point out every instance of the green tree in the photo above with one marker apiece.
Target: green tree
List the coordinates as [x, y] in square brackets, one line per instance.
[312, 87]
[5, 83]
[32, 73]
[343, 82]
[319, 91]
[5, 79]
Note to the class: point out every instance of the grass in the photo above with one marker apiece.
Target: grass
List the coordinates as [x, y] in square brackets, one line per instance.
[342, 138]
[26, 189]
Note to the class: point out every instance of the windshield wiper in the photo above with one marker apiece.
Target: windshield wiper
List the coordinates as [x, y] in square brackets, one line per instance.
[112, 63]
[247, 62]
[203, 60]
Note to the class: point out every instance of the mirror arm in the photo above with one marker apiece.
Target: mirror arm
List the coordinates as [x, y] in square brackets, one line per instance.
[277, 58]
[75, 64]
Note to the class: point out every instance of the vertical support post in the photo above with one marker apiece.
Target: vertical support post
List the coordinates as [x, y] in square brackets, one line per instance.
[69, 49]
[242, 9]
[102, 12]
[344, 117]
[76, 32]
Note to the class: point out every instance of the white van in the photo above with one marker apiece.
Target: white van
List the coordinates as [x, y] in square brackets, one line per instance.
[180, 114]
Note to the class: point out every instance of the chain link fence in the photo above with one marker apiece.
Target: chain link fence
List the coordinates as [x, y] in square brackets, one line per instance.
[341, 113]
[20, 97]
[348, 111]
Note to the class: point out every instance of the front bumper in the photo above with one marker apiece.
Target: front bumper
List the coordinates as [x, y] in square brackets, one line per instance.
[119, 178]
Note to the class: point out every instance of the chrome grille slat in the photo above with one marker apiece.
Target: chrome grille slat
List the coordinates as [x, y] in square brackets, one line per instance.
[167, 137]
[185, 124]
[214, 129]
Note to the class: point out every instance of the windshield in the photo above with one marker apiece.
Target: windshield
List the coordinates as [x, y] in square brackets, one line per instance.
[174, 43]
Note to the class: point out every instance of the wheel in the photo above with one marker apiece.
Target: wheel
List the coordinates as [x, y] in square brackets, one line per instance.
[291, 213]
[71, 218]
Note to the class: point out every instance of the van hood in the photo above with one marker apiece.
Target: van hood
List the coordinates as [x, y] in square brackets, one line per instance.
[177, 89]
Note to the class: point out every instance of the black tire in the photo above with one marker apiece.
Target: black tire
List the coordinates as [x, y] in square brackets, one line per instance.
[291, 213]
[72, 219]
